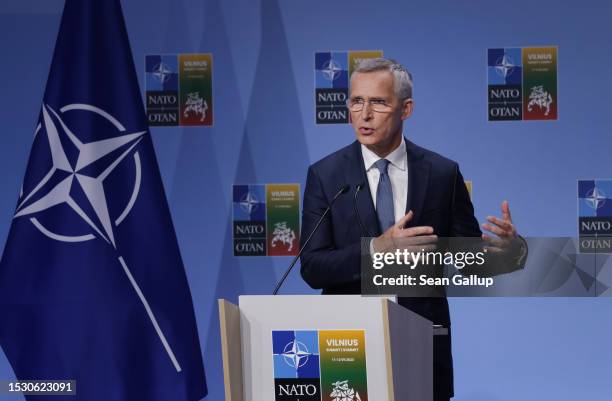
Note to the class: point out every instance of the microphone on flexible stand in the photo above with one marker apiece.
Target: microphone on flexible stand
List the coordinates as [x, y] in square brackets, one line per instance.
[364, 230]
[343, 189]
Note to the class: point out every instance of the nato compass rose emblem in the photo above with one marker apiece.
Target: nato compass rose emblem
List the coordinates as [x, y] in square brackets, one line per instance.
[162, 72]
[296, 354]
[331, 70]
[72, 172]
[249, 203]
[504, 66]
[595, 198]
[56, 186]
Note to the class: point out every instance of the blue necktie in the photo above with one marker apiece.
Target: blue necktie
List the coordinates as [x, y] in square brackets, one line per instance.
[384, 196]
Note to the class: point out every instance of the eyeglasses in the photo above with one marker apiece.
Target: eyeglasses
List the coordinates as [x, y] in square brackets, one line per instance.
[378, 105]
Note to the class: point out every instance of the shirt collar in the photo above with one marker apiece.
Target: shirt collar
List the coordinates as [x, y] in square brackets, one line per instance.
[396, 158]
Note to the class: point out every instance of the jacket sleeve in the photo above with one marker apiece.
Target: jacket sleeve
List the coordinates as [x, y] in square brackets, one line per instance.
[464, 223]
[323, 264]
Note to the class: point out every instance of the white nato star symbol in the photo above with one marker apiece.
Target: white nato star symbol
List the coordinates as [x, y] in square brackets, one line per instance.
[505, 66]
[161, 71]
[249, 203]
[92, 187]
[331, 70]
[296, 354]
[595, 198]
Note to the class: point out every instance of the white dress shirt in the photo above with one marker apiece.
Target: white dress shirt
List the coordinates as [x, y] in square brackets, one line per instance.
[398, 175]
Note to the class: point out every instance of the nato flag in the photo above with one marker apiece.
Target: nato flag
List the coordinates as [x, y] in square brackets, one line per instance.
[92, 286]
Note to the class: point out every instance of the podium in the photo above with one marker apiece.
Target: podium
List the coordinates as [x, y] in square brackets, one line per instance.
[326, 348]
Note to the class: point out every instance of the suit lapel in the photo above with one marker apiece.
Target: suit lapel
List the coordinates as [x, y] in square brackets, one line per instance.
[418, 179]
[355, 175]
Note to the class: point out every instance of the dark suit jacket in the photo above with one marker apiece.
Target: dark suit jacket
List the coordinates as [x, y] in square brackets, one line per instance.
[437, 196]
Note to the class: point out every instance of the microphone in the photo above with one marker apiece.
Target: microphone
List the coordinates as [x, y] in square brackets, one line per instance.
[364, 230]
[343, 189]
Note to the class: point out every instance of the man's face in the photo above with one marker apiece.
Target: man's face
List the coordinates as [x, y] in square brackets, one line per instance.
[379, 131]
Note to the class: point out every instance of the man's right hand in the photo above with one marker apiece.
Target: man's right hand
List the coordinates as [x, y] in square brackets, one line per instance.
[413, 239]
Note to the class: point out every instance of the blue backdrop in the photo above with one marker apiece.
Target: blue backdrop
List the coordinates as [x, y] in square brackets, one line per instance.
[504, 349]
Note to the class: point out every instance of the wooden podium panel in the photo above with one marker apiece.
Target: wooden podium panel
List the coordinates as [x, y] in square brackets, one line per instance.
[231, 349]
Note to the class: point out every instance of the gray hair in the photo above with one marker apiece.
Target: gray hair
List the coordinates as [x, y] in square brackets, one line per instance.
[402, 79]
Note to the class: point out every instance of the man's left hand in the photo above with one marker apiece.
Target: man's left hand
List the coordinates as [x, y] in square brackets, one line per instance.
[505, 232]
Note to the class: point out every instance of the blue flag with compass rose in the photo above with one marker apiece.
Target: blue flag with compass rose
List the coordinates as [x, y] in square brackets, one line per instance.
[92, 286]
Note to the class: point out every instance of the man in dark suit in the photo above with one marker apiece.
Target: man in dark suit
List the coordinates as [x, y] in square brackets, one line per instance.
[408, 191]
